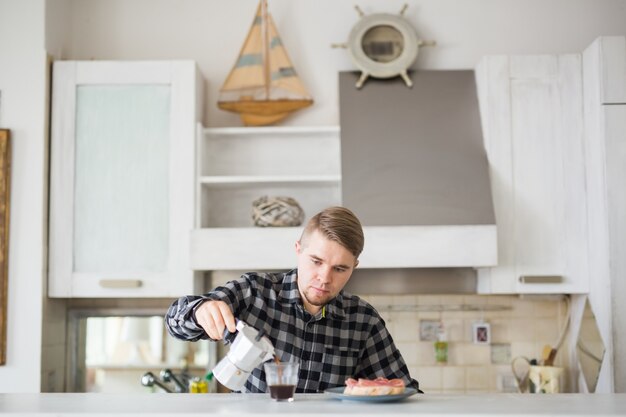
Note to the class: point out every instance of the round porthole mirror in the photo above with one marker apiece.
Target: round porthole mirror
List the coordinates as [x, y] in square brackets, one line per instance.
[383, 46]
[383, 43]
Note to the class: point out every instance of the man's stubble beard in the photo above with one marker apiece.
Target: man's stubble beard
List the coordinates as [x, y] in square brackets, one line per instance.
[321, 303]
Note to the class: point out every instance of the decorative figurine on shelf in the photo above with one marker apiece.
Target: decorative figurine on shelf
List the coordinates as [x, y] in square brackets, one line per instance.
[383, 45]
[263, 86]
[277, 212]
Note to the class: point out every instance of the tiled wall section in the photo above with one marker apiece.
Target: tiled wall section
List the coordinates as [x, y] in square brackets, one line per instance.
[522, 329]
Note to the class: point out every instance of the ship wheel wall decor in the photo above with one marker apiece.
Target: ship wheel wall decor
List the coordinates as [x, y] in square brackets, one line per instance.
[383, 45]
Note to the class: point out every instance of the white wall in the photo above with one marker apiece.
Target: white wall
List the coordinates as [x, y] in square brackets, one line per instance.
[212, 32]
[23, 109]
[56, 31]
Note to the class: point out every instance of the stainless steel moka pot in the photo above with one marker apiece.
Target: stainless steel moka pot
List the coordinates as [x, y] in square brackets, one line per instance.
[249, 349]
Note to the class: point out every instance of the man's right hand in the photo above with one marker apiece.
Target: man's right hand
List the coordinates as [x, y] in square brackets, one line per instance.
[214, 316]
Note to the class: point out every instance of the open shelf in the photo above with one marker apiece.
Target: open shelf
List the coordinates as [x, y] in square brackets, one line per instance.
[237, 165]
[269, 179]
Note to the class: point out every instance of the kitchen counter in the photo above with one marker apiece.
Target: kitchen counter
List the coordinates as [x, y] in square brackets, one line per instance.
[310, 405]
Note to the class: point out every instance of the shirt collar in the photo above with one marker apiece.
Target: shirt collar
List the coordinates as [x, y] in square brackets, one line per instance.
[289, 293]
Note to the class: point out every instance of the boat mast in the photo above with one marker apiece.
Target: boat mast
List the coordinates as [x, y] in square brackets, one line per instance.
[266, 49]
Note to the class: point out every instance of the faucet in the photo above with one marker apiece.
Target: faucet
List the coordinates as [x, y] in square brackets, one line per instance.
[149, 380]
[168, 376]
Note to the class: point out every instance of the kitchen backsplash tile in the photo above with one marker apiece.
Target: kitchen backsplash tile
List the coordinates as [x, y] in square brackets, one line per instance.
[518, 327]
[501, 353]
[523, 308]
[425, 300]
[546, 329]
[425, 354]
[500, 329]
[548, 309]
[477, 379]
[410, 351]
[429, 377]
[456, 330]
[469, 354]
[528, 349]
[453, 377]
[524, 329]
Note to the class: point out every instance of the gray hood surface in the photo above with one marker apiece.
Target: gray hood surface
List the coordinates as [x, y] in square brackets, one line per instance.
[415, 157]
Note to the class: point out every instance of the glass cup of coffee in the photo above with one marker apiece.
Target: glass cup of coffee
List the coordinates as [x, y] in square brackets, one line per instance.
[282, 379]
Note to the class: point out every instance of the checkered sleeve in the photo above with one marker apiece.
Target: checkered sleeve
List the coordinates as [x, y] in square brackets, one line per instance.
[180, 319]
[382, 358]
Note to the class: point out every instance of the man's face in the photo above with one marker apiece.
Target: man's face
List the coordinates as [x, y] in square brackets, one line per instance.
[324, 268]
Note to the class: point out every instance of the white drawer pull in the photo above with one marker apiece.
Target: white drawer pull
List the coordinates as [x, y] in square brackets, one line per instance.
[541, 279]
[120, 283]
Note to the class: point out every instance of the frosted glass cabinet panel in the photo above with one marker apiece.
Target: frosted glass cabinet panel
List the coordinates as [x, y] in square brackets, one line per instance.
[122, 191]
[114, 128]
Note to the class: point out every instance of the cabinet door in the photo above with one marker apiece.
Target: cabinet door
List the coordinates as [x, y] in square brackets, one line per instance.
[122, 178]
[612, 68]
[536, 154]
[615, 201]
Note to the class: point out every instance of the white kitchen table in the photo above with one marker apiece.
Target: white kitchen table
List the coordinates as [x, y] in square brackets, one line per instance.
[242, 405]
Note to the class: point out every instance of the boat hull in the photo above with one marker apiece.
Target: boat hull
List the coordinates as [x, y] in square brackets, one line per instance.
[264, 112]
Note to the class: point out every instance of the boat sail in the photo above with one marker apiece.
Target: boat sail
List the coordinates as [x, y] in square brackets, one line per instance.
[263, 86]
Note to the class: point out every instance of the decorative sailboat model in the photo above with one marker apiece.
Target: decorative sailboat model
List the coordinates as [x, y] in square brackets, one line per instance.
[263, 86]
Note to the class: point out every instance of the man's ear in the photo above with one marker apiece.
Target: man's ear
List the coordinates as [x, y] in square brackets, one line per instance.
[298, 247]
[356, 263]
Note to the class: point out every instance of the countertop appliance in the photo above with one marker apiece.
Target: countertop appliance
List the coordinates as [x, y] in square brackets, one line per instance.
[249, 349]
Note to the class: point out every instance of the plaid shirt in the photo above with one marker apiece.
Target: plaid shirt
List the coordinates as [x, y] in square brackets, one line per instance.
[347, 338]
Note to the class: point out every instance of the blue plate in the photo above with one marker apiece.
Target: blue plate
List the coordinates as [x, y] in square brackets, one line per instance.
[337, 393]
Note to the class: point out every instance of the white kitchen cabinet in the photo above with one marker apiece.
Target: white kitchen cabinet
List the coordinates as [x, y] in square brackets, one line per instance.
[122, 178]
[531, 109]
[238, 165]
[604, 63]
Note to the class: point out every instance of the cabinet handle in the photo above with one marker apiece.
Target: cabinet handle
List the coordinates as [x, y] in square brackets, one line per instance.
[120, 283]
[541, 279]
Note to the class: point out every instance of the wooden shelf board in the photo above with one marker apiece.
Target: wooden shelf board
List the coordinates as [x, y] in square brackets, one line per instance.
[269, 179]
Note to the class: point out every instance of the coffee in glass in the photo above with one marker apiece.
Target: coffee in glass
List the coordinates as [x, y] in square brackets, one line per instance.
[282, 379]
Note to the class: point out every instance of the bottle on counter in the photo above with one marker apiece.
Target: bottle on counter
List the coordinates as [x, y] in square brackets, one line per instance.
[198, 386]
[441, 345]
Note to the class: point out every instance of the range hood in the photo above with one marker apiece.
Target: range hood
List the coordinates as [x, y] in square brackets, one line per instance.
[415, 171]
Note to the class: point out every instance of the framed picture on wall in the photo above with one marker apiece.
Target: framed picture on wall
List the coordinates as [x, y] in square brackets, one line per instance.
[481, 332]
[5, 181]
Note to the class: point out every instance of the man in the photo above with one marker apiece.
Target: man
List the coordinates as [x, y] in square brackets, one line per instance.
[304, 312]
